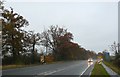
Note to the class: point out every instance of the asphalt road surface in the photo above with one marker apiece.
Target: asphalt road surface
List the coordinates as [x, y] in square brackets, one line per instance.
[69, 68]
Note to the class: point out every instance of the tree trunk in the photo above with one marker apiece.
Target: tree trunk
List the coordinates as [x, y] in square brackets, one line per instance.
[33, 53]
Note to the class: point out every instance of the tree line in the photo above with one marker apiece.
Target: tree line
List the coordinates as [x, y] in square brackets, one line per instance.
[18, 45]
[114, 58]
[115, 48]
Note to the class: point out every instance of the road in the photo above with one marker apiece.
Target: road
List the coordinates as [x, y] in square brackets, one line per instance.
[75, 68]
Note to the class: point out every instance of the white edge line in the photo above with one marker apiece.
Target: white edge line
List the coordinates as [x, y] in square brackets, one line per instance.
[85, 70]
[90, 73]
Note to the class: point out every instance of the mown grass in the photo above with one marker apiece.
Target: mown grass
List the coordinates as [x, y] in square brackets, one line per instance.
[112, 66]
[99, 70]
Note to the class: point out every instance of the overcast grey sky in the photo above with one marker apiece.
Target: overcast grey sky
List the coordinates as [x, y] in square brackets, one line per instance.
[93, 24]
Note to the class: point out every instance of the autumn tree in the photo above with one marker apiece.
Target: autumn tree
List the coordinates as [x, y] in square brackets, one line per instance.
[65, 46]
[59, 40]
[12, 34]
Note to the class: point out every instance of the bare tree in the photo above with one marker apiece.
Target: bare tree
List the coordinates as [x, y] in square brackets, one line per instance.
[50, 38]
[34, 39]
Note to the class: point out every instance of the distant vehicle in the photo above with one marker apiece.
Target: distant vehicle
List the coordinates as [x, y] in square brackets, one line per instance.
[90, 60]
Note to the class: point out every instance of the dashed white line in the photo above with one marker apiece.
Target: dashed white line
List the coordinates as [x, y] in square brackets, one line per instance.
[54, 71]
[50, 72]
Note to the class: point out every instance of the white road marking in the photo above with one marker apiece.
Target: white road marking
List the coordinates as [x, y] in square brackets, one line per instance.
[54, 71]
[90, 73]
[50, 72]
[84, 70]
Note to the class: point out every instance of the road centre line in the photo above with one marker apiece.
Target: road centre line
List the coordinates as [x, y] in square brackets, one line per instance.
[58, 70]
[50, 72]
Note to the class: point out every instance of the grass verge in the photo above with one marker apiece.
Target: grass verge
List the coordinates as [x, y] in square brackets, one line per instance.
[113, 67]
[0, 67]
[4, 67]
[99, 70]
